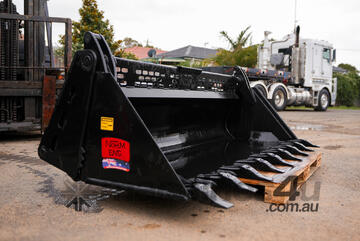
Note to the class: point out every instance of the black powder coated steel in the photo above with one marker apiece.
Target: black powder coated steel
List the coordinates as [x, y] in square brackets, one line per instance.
[187, 131]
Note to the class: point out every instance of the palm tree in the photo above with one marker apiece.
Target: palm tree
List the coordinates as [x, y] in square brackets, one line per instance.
[243, 39]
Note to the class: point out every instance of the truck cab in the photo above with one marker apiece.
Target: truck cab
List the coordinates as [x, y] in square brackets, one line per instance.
[309, 64]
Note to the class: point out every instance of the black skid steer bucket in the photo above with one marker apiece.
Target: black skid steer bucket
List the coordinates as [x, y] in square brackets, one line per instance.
[161, 130]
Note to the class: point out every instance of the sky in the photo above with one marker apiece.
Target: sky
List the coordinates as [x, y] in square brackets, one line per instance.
[171, 24]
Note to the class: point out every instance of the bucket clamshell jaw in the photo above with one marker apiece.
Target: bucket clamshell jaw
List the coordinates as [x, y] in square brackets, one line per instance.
[166, 131]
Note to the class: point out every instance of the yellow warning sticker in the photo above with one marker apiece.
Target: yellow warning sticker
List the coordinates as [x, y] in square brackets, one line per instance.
[107, 123]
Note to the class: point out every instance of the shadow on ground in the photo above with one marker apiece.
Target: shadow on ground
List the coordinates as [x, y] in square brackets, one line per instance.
[19, 136]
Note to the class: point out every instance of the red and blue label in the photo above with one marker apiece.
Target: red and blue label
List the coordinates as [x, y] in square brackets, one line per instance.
[115, 153]
[108, 163]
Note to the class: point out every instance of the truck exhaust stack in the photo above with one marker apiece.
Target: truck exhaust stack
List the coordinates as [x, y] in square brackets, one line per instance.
[166, 131]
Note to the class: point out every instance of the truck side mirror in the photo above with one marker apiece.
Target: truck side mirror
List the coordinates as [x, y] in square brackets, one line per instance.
[334, 56]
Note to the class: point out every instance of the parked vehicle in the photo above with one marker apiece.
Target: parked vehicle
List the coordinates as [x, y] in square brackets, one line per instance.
[293, 71]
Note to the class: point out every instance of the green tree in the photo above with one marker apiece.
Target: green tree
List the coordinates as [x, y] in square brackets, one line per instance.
[348, 85]
[245, 57]
[242, 40]
[348, 67]
[196, 63]
[129, 43]
[92, 19]
[241, 51]
[347, 88]
[120, 52]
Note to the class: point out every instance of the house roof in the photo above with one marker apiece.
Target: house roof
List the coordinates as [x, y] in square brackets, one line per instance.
[142, 52]
[339, 70]
[164, 60]
[190, 52]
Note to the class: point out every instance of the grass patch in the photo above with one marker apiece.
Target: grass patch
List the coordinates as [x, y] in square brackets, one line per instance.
[298, 108]
[343, 107]
[340, 107]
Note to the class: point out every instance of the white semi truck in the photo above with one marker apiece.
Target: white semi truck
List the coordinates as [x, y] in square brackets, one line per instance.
[295, 71]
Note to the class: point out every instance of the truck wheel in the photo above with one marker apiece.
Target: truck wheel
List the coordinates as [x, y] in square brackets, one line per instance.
[262, 90]
[279, 98]
[323, 100]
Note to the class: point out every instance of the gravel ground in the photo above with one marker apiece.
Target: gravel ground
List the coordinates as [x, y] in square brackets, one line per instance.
[33, 193]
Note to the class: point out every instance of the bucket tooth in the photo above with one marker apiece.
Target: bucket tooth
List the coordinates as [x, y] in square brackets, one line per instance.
[273, 159]
[204, 192]
[230, 172]
[304, 142]
[284, 154]
[211, 176]
[260, 164]
[293, 150]
[205, 181]
[301, 147]
[233, 169]
[233, 179]
[246, 171]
